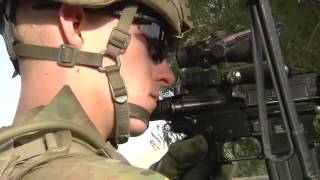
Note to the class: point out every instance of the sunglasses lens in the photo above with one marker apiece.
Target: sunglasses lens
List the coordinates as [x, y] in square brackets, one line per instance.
[156, 38]
[159, 55]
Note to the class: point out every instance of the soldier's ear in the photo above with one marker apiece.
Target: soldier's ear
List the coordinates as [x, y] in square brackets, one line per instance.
[71, 19]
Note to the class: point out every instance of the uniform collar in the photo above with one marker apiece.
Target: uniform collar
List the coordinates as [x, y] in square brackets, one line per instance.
[63, 107]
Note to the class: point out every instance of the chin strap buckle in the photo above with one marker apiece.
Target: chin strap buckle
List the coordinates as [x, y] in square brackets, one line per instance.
[117, 84]
[67, 55]
[119, 38]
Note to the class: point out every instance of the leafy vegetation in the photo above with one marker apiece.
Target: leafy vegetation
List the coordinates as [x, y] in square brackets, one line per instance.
[298, 21]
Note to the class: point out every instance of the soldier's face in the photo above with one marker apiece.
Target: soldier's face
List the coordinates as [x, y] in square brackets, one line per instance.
[143, 76]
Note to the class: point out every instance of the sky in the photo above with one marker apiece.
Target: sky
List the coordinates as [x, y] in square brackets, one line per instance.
[138, 150]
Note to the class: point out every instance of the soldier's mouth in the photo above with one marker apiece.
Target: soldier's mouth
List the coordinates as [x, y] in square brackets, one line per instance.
[155, 96]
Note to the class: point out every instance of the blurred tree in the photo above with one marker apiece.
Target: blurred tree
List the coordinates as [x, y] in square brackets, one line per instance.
[298, 21]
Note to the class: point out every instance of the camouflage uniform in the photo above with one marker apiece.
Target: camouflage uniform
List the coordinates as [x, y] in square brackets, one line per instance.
[59, 141]
[61, 153]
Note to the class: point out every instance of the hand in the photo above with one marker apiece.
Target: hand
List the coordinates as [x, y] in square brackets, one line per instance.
[182, 161]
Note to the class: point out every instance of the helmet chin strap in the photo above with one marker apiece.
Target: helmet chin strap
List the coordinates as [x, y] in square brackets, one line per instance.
[69, 56]
[140, 113]
[120, 39]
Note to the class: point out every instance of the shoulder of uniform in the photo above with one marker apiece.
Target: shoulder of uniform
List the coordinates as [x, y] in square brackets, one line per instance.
[91, 168]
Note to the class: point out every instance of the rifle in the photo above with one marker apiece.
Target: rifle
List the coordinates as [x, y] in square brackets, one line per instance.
[277, 108]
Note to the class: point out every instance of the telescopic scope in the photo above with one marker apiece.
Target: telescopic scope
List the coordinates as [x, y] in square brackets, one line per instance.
[217, 49]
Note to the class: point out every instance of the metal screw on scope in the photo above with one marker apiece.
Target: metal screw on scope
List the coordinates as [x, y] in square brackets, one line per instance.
[234, 77]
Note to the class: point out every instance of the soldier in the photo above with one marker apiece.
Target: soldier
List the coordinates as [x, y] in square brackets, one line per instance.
[90, 73]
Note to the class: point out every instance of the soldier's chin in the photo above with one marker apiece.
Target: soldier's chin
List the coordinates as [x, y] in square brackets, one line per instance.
[137, 127]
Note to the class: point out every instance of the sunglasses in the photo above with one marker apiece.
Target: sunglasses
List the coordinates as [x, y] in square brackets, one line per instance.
[151, 27]
[156, 37]
[153, 30]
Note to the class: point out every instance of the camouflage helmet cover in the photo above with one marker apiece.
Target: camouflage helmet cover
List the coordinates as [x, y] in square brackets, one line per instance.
[174, 12]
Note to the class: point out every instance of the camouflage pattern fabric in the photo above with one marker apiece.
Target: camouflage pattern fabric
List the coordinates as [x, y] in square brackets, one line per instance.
[174, 12]
[81, 160]
[89, 168]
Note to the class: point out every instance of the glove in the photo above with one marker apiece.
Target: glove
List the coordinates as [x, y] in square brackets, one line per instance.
[187, 160]
[183, 158]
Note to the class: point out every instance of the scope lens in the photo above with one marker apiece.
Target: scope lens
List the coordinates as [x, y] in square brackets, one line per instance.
[188, 56]
[182, 57]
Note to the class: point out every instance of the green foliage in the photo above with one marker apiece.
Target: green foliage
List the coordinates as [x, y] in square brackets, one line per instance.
[209, 16]
[250, 168]
[299, 38]
[244, 149]
[299, 23]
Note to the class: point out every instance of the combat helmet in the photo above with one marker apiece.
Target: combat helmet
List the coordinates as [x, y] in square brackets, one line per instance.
[174, 13]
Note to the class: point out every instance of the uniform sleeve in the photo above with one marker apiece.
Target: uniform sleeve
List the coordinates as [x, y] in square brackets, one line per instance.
[90, 168]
